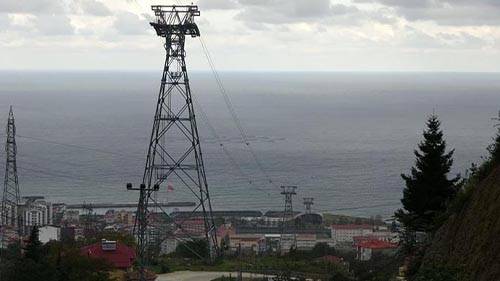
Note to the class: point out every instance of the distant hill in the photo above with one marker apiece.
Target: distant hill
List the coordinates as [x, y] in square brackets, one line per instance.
[470, 238]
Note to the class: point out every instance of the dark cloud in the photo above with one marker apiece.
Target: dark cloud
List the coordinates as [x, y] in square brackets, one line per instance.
[446, 12]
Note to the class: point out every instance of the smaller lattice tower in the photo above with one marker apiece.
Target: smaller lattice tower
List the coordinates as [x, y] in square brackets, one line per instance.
[11, 217]
[90, 220]
[308, 202]
[288, 227]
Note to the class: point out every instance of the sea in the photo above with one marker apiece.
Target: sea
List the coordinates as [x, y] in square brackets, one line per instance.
[343, 138]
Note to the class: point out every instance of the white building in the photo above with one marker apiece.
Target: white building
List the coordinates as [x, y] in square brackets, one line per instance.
[71, 216]
[168, 246]
[36, 212]
[345, 233]
[49, 233]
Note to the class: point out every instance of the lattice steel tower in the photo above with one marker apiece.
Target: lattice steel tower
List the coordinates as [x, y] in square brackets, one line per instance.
[174, 150]
[308, 202]
[11, 198]
[288, 227]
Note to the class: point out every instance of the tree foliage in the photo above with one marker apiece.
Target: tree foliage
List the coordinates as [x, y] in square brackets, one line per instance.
[494, 148]
[195, 249]
[428, 188]
[322, 249]
[124, 238]
[51, 262]
[440, 272]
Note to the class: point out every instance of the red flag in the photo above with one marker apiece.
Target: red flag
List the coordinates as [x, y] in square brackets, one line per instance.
[170, 187]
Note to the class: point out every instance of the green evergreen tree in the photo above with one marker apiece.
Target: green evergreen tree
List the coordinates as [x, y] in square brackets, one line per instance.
[34, 246]
[428, 189]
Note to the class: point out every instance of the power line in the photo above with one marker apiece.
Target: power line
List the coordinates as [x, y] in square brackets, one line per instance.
[232, 112]
[74, 146]
[212, 130]
[47, 173]
[226, 152]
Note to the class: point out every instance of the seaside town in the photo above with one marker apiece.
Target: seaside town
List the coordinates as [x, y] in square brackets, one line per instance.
[344, 139]
[250, 231]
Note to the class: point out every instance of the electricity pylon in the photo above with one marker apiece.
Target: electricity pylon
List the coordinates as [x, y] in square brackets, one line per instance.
[174, 152]
[308, 202]
[11, 216]
[288, 227]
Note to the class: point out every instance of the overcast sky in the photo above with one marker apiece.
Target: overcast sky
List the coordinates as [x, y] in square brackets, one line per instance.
[337, 35]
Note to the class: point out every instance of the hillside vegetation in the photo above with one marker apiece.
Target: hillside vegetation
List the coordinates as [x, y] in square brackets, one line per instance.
[469, 240]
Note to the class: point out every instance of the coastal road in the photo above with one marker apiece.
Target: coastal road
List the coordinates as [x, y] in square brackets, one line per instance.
[197, 275]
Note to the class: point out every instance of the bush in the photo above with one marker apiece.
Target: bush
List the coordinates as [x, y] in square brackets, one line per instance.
[196, 249]
[439, 272]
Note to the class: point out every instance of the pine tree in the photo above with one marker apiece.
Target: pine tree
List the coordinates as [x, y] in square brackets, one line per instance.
[428, 189]
[34, 246]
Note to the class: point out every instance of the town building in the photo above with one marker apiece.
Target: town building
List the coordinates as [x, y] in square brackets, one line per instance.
[125, 217]
[110, 216]
[71, 233]
[49, 233]
[168, 246]
[192, 227]
[58, 210]
[36, 211]
[306, 241]
[71, 217]
[247, 243]
[275, 218]
[366, 248]
[227, 215]
[345, 233]
[117, 254]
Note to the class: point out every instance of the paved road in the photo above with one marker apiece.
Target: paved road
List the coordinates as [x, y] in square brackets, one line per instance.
[196, 275]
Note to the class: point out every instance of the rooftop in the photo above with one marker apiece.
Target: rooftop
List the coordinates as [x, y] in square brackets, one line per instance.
[122, 256]
[376, 244]
[351, 226]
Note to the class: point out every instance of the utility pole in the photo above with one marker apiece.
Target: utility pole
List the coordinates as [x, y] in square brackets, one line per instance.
[288, 229]
[240, 264]
[11, 217]
[174, 152]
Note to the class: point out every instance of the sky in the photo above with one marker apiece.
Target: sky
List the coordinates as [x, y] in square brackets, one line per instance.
[256, 35]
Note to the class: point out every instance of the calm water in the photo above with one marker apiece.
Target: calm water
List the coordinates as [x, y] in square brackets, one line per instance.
[342, 138]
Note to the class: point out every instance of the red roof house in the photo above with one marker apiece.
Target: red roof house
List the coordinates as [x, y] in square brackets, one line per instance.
[117, 254]
[365, 248]
[376, 244]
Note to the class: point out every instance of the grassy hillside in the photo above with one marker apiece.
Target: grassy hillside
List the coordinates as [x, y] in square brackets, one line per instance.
[469, 241]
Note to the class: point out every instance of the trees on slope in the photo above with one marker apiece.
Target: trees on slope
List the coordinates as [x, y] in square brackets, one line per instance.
[53, 261]
[428, 188]
[494, 148]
